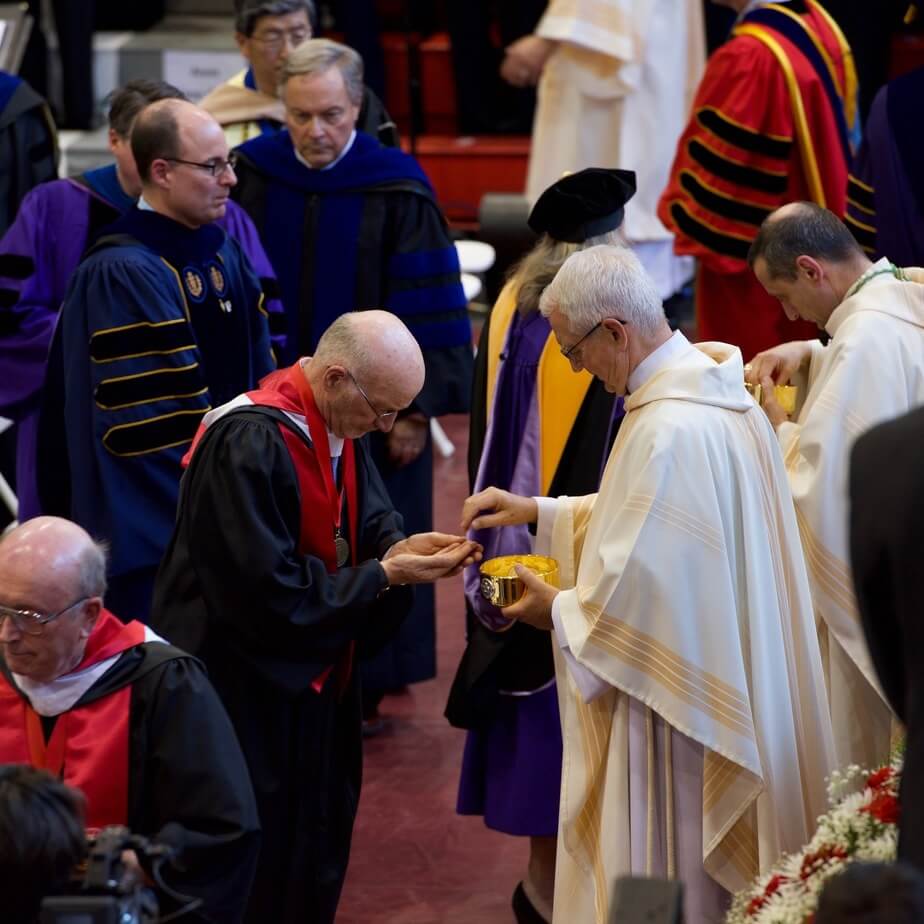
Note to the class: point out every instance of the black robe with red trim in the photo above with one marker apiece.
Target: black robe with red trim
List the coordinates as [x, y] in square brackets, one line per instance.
[270, 622]
[185, 773]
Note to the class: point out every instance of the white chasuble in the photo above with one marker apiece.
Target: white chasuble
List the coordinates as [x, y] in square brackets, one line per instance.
[686, 592]
[616, 92]
[871, 370]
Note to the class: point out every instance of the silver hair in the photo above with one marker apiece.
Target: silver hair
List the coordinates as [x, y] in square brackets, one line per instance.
[92, 573]
[319, 55]
[604, 282]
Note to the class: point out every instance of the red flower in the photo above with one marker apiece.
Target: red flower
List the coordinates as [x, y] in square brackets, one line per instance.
[812, 862]
[880, 778]
[884, 808]
[772, 887]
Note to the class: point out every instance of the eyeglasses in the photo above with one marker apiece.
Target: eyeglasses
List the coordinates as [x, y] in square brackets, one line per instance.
[31, 623]
[215, 167]
[567, 353]
[384, 416]
[273, 41]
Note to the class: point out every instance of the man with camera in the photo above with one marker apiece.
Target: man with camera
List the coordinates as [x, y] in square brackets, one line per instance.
[118, 714]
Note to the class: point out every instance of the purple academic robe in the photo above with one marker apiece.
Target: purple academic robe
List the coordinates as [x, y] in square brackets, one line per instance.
[38, 255]
[511, 769]
[885, 189]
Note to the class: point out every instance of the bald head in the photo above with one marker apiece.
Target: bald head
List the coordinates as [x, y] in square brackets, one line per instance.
[377, 347]
[366, 367]
[55, 555]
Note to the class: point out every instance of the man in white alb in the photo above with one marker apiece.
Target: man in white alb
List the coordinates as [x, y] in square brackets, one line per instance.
[872, 369]
[696, 731]
[616, 79]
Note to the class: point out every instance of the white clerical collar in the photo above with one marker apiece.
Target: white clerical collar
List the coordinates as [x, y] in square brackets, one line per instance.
[655, 361]
[333, 163]
[59, 695]
[144, 205]
[753, 6]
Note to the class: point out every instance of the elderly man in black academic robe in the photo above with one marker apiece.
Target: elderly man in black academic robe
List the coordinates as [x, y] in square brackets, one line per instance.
[350, 225]
[130, 721]
[287, 562]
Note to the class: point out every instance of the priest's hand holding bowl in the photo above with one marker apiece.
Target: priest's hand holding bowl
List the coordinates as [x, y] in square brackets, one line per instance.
[535, 606]
[773, 368]
[426, 557]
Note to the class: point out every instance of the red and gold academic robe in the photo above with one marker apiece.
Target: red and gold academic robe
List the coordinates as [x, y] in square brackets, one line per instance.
[770, 125]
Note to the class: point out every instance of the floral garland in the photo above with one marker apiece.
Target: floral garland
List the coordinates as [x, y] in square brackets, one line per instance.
[862, 824]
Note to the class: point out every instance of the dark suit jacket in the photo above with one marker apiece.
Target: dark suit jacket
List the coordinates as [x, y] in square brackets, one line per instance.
[887, 554]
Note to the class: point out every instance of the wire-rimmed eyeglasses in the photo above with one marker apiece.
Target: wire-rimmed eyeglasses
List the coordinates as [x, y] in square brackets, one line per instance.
[568, 353]
[29, 622]
[384, 416]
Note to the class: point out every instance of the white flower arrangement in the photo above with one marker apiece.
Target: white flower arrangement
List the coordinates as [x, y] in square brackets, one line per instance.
[862, 824]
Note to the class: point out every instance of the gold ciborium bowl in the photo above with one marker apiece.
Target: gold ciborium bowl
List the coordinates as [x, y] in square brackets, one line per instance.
[500, 584]
[785, 395]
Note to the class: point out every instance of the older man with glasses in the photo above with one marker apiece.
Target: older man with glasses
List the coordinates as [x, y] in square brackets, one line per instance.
[248, 104]
[288, 561]
[163, 320]
[118, 714]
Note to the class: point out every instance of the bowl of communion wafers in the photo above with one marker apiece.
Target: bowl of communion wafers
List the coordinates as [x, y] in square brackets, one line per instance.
[500, 584]
[785, 395]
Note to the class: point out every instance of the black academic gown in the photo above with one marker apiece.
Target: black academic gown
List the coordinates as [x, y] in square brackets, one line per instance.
[886, 549]
[368, 233]
[186, 775]
[268, 621]
[520, 658]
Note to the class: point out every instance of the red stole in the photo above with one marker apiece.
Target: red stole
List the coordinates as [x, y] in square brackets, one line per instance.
[288, 390]
[89, 747]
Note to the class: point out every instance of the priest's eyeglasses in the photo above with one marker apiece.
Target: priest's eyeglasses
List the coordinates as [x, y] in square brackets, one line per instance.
[216, 166]
[31, 623]
[384, 416]
[570, 351]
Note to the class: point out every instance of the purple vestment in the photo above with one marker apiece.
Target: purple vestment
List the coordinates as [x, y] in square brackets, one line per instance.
[511, 770]
[38, 256]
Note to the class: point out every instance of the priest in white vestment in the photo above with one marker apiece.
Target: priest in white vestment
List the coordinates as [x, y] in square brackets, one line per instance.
[696, 731]
[872, 369]
[616, 79]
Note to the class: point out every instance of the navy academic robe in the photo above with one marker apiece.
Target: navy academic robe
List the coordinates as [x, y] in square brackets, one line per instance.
[160, 323]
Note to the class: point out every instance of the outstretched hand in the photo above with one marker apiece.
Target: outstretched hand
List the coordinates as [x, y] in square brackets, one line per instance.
[427, 557]
[494, 507]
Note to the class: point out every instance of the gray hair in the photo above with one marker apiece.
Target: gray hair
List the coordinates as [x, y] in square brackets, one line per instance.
[92, 570]
[248, 12]
[804, 229]
[604, 282]
[317, 56]
[539, 267]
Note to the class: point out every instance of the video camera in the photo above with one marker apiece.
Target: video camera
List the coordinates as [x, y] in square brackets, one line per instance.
[111, 892]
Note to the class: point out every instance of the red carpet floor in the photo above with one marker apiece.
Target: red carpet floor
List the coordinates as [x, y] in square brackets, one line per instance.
[414, 860]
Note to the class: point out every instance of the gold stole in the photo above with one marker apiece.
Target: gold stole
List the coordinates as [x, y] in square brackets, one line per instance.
[560, 392]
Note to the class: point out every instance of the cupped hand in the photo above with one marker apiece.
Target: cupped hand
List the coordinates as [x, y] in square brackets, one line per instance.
[494, 507]
[415, 568]
[525, 59]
